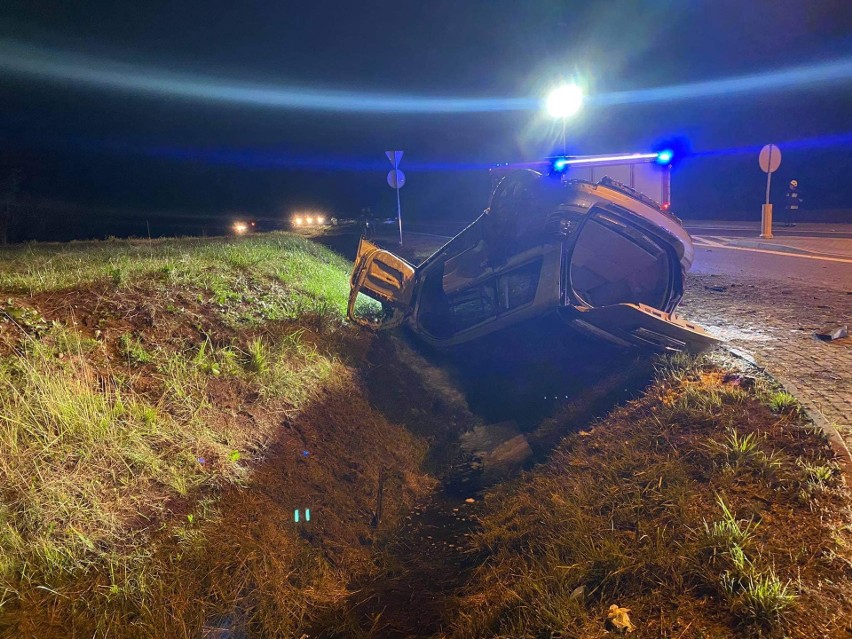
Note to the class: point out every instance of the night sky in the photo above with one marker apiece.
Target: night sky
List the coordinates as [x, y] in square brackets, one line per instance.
[184, 164]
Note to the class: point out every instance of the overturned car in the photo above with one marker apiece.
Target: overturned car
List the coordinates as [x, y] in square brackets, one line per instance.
[608, 260]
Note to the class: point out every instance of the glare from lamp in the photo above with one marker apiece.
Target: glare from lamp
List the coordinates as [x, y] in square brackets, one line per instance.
[564, 101]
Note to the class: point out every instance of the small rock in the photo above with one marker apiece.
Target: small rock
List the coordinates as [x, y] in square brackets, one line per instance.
[830, 333]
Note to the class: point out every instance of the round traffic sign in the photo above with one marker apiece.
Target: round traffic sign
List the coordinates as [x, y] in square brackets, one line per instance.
[396, 179]
[770, 158]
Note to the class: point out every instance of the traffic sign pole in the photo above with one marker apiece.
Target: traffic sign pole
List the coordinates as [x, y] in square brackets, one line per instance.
[399, 216]
[769, 161]
[396, 180]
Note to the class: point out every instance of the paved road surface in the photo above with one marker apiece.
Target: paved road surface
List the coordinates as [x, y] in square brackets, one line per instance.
[752, 229]
[769, 298]
[803, 269]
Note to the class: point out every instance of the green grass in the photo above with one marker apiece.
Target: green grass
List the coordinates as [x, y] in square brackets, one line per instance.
[782, 401]
[729, 531]
[257, 360]
[133, 350]
[85, 453]
[760, 597]
[309, 278]
[101, 436]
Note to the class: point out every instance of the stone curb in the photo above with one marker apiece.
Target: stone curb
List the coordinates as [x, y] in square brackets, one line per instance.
[838, 446]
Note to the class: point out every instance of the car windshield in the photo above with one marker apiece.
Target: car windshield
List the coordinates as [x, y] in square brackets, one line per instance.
[613, 263]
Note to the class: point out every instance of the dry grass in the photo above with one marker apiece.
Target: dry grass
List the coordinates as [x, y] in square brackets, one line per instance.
[681, 523]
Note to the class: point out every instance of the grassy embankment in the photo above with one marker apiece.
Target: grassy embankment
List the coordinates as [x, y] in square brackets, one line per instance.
[707, 507]
[164, 408]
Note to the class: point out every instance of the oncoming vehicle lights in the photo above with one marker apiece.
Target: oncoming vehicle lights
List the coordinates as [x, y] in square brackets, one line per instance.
[308, 219]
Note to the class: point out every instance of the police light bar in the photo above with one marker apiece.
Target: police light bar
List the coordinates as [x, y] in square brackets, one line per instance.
[665, 156]
[561, 163]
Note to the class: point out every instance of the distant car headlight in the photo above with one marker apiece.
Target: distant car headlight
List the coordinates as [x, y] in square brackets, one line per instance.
[297, 221]
[309, 220]
[320, 220]
[240, 227]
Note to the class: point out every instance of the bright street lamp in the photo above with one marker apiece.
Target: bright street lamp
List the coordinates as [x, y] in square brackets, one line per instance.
[562, 103]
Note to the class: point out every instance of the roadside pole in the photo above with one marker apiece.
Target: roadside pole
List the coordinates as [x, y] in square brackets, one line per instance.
[396, 180]
[399, 215]
[769, 161]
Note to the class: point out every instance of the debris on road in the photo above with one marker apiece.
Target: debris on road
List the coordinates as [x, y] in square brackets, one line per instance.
[830, 333]
[738, 379]
[718, 289]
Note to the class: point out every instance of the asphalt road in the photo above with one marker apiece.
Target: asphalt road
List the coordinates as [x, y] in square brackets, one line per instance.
[752, 229]
[826, 272]
[811, 253]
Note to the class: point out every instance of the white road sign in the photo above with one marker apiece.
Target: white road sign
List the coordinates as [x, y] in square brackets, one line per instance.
[396, 179]
[770, 158]
[394, 157]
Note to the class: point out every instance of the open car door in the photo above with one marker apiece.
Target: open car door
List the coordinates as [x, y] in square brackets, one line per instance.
[384, 277]
[643, 326]
[620, 275]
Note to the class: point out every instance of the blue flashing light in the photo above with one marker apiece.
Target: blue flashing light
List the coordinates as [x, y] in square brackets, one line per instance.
[665, 156]
[296, 515]
[307, 514]
[560, 164]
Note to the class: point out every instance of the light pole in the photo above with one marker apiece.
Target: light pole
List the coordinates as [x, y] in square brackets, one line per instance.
[564, 102]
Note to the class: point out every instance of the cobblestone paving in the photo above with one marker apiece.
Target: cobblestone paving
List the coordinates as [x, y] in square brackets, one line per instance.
[775, 322]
